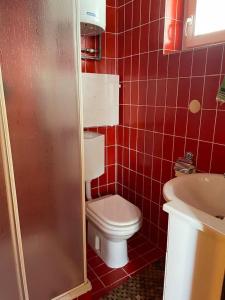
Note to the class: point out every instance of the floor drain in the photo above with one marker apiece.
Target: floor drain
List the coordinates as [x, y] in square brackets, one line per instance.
[220, 217]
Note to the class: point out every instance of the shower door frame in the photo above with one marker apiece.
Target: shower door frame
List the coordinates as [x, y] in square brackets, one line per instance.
[11, 185]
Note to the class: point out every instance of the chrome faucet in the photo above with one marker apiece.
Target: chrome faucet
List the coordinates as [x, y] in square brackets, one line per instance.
[185, 164]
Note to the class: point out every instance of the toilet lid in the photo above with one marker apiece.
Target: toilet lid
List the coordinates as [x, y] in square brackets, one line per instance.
[115, 210]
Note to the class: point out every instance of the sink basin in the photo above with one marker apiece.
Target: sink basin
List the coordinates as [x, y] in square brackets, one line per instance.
[201, 197]
[195, 260]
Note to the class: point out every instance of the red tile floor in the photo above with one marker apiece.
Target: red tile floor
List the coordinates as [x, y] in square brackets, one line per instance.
[103, 279]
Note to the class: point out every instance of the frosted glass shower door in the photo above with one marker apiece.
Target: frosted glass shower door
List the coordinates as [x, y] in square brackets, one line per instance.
[38, 41]
[9, 288]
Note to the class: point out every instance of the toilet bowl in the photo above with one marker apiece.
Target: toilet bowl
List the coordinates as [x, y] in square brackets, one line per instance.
[112, 220]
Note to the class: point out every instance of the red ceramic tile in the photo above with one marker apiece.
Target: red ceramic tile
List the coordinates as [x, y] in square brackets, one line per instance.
[144, 37]
[95, 262]
[140, 140]
[207, 125]
[214, 59]
[136, 13]
[159, 119]
[154, 40]
[143, 86]
[154, 10]
[146, 208]
[135, 67]
[143, 70]
[199, 62]
[128, 16]
[158, 144]
[90, 274]
[204, 156]
[121, 19]
[111, 19]
[132, 254]
[144, 248]
[152, 67]
[169, 120]
[135, 265]
[136, 241]
[136, 40]
[156, 191]
[97, 285]
[171, 95]
[102, 270]
[218, 164]
[219, 130]
[166, 171]
[128, 43]
[134, 92]
[148, 166]
[181, 122]
[193, 125]
[140, 163]
[154, 213]
[156, 168]
[196, 90]
[173, 66]
[113, 277]
[168, 147]
[154, 233]
[185, 64]
[183, 92]
[150, 113]
[153, 255]
[145, 11]
[161, 92]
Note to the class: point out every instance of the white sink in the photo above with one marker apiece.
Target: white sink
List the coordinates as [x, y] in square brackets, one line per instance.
[195, 260]
[201, 197]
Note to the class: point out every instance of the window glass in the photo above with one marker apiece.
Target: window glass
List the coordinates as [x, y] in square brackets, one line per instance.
[209, 16]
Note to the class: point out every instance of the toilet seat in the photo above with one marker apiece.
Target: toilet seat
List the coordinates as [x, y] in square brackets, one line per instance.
[112, 220]
[114, 215]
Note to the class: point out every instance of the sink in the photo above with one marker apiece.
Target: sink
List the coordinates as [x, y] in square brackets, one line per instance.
[195, 259]
[201, 197]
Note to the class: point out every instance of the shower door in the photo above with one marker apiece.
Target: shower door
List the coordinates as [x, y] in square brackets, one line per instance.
[41, 69]
[9, 286]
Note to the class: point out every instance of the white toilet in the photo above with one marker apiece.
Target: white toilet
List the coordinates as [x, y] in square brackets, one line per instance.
[112, 220]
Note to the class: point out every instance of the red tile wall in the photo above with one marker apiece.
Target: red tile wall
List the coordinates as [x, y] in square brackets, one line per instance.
[155, 124]
[106, 184]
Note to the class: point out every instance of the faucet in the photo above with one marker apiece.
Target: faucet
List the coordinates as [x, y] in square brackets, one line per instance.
[184, 164]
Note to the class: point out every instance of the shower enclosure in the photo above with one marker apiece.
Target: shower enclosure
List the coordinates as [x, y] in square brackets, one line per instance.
[42, 220]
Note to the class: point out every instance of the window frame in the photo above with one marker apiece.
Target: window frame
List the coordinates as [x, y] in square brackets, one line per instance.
[191, 41]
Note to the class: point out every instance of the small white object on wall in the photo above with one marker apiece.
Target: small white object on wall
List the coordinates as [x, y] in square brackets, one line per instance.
[100, 99]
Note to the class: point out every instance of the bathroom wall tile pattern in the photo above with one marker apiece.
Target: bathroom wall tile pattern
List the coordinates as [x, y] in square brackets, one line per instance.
[156, 126]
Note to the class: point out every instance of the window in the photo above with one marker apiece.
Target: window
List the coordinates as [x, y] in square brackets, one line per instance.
[204, 22]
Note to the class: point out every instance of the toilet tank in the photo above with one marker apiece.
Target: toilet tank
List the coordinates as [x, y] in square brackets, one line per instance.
[94, 155]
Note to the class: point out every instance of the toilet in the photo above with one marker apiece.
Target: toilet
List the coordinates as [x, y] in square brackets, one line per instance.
[112, 220]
